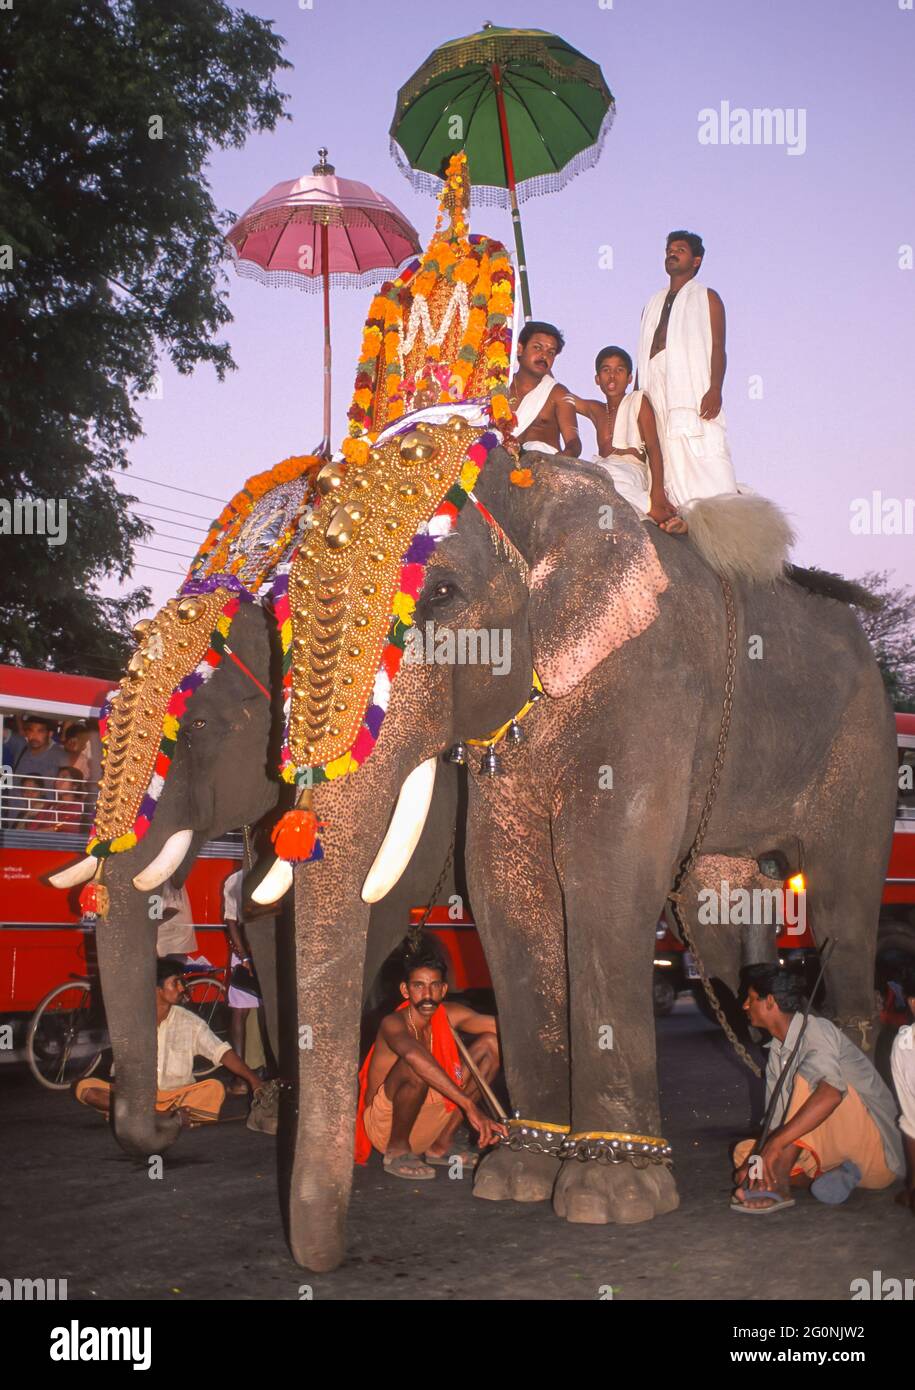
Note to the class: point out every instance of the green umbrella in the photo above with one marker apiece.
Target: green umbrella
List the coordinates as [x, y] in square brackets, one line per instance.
[529, 111]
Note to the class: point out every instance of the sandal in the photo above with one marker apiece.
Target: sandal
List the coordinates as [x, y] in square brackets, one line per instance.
[469, 1157]
[398, 1164]
[777, 1202]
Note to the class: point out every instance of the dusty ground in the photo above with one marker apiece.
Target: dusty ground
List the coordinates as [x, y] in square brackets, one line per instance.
[76, 1208]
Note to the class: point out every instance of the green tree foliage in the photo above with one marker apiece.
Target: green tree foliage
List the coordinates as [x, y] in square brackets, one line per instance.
[890, 629]
[113, 249]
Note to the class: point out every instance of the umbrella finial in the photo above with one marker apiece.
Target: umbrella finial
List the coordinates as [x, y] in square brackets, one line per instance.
[323, 167]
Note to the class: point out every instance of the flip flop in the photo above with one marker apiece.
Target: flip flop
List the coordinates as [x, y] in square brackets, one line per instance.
[778, 1203]
[469, 1158]
[395, 1164]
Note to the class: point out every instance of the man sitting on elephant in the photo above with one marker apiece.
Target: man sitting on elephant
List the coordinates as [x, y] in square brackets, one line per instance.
[543, 408]
[834, 1126]
[181, 1037]
[412, 1089]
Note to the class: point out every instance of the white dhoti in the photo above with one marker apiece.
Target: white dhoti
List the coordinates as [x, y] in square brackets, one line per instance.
[695, 465]
[697, 461]
[630, 475]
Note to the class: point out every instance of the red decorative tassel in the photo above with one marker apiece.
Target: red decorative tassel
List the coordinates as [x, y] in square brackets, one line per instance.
[295, 835]
[93, 900]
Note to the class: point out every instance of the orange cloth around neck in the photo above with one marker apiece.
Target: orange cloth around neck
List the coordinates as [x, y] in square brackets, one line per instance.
[445, 1052]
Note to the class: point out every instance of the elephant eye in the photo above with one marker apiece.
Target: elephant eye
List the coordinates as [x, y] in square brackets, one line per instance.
[443, 592]
[199, 724]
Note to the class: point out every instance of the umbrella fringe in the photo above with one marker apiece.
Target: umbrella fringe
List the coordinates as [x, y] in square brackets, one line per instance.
[314, 284]
[488, 195]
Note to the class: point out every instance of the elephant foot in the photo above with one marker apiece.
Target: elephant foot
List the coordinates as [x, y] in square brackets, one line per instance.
[141, 1136]
[509, 1175]
[599, 1193]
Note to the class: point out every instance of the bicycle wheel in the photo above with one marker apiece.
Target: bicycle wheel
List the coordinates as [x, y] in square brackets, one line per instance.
[205, 995]
[66, 1036]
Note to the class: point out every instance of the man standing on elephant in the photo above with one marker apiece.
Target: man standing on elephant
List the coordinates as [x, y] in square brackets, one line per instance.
[681, 366]
[412, 1090]
[543, 409]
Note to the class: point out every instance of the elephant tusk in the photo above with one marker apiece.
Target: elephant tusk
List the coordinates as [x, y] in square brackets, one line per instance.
[403, 833]
[80, 872]
[166, 861]
[276, 881]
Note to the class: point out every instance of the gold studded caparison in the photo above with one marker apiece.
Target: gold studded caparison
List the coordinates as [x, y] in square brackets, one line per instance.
[174, 643]
[346, 573]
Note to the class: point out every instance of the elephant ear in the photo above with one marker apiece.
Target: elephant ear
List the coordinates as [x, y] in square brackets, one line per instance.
[595, 575]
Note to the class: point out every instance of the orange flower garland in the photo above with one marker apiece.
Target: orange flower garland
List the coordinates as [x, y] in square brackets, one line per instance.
[485, 268]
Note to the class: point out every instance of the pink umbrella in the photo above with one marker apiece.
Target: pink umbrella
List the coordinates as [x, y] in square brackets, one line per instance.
[319, 230]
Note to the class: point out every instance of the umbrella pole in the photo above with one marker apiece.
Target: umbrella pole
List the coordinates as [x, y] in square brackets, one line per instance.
[510, 179]
[325, 449]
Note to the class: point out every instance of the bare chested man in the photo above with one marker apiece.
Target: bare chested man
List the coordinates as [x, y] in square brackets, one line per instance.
[682, 362]
[627, 439]
[543, 408]
[413, 1093]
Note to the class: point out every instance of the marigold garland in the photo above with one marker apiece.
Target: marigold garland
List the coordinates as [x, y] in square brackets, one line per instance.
[214, 552]
[481, 264]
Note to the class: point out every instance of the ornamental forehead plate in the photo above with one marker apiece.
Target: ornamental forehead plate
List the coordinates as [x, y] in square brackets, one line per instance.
[172, 646]
[345, 576]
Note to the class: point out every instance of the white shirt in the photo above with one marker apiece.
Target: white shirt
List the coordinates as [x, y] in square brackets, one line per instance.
[180, 1037]
[902, 1059]
[231, 897]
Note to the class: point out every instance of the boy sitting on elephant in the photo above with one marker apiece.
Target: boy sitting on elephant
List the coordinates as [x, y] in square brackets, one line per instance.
[412, 1090]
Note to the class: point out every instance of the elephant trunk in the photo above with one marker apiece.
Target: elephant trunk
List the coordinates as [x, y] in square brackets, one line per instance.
[330, 954]
[126, 943]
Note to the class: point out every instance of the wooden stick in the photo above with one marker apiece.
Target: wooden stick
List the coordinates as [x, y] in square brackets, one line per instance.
[494, 1105]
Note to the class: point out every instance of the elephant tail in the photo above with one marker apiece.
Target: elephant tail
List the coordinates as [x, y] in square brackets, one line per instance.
[741, 535]
[829, 585]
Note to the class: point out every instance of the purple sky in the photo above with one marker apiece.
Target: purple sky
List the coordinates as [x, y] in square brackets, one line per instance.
[804, 249]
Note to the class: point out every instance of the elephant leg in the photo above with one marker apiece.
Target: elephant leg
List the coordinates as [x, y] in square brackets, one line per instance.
[517, 907]
[126, 945]
[615, 880]
[845, 892]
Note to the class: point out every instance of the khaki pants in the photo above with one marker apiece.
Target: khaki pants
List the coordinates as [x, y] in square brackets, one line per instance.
[203, 1099]
[849, 1132]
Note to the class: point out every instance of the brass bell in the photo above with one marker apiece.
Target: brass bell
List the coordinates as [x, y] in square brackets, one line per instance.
[457, 755]
[513, 734]
[189, 609]
[490, 763]
[339, 530]
[329, 478]
[419, 446]
[141, 628]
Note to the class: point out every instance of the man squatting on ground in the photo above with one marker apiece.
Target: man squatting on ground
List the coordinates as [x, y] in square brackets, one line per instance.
[835, 1121]
[181, 1036]
[413, 1093]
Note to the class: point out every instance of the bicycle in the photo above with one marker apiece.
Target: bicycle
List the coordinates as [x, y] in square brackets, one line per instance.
[68, 1033]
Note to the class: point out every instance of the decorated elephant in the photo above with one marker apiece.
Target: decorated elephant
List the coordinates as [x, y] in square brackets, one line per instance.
[695, 705]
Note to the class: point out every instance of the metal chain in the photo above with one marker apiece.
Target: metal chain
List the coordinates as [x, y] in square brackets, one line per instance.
[418, 927]
[689, 862]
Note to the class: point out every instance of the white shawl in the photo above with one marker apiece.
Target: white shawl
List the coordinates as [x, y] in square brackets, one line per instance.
[689, 354]
[530, 406]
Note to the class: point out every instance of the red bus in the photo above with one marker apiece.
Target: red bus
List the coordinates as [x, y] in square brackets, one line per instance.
[43, 942]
